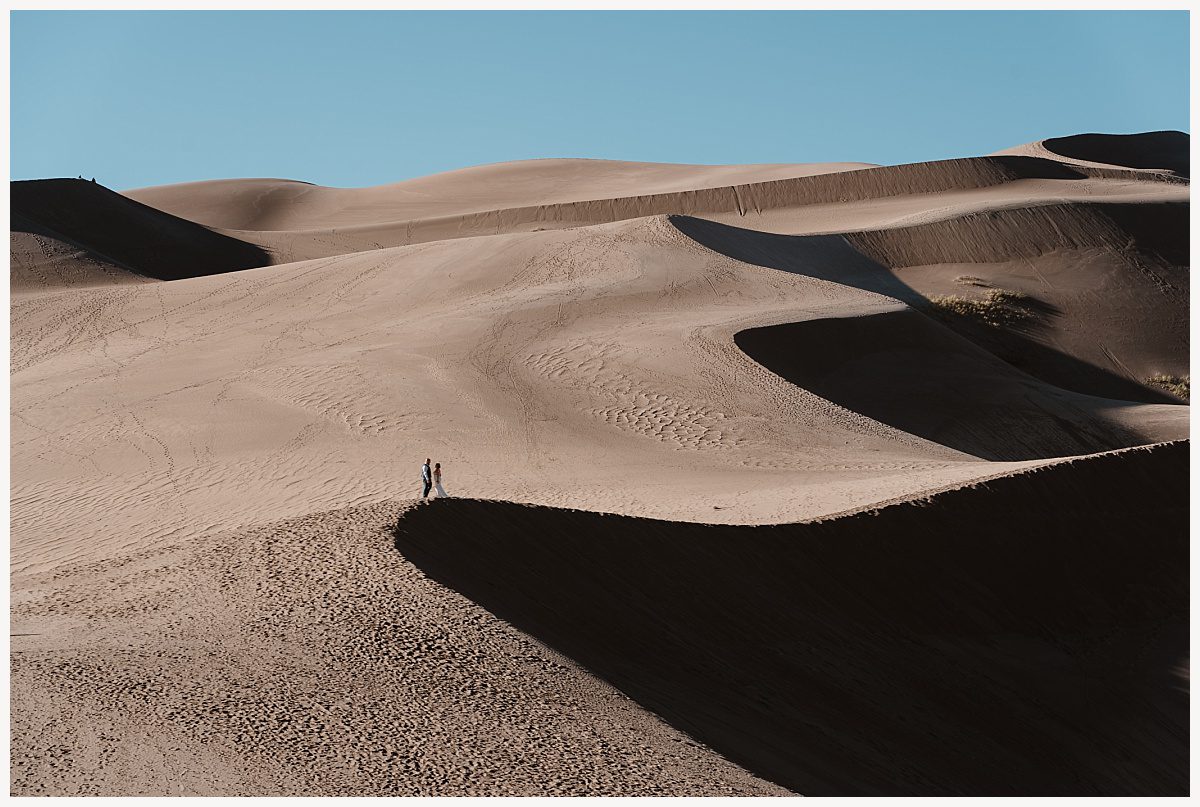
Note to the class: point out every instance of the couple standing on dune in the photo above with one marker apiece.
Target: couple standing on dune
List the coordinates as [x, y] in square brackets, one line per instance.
[432, 479]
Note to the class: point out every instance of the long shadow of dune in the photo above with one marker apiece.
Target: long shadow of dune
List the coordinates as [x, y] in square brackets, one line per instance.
[146, 241]
[1020, 637]
[835, 258]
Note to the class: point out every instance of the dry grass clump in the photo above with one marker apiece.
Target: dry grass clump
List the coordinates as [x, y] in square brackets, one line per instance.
[1180, 387]
[996, 307]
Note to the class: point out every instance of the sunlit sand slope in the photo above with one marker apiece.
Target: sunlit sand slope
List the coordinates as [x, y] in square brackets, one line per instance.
[593, 368]
[279, 204]
[308, 658]
[296, 221]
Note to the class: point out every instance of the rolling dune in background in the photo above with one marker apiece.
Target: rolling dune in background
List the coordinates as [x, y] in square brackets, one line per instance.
[682, 390]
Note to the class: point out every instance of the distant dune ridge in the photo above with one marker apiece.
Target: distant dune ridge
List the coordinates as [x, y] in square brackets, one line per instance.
[918, 433]
[274, 204]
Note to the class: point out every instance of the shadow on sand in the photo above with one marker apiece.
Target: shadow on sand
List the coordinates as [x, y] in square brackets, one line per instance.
[142, 239]
[834, 258]
[1020, 637]
[903, 369]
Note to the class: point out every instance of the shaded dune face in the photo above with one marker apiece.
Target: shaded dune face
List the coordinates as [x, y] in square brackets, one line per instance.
[1168, 150]
[114, 230]
[905, 370]
[1020, 637]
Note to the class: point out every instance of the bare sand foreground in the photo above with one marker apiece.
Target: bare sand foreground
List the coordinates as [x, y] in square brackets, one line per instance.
[813, 479]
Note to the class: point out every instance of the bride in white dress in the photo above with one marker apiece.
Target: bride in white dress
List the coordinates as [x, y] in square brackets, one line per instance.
[437, 481]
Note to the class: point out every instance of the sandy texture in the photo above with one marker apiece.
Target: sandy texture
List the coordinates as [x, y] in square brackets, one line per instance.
[697, 345]
[592, 367]
[309, 658]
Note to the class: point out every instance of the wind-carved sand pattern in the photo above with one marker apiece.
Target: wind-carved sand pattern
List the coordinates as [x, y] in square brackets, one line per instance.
[628, 405]
[337, 394]
[222, 393]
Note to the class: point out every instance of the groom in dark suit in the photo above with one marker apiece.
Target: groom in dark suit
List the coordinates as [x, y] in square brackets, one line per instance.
[426, 479]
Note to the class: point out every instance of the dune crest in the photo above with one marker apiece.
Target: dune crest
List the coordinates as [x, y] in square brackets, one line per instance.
[296, 221]
[279, 204]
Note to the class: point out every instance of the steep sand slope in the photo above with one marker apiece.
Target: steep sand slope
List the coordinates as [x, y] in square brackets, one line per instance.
[308, 658]
[113, 236]
[1024, 637]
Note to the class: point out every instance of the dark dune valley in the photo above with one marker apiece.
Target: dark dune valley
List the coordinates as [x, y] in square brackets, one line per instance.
[812, 479]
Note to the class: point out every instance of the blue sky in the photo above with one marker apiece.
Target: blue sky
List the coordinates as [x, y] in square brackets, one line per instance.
[365, 98]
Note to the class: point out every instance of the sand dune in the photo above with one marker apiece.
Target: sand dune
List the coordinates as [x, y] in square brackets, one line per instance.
[1006, 639]
[276, 204]
[1104, 288]
[1155, 151]
[677, 345]
[308, 658]
[292, 221]
[591, 367]
[114, 233]
[42, 261]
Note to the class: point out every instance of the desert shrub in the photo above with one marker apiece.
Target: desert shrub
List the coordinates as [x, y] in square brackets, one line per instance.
[1180, 387]
[996, 307]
